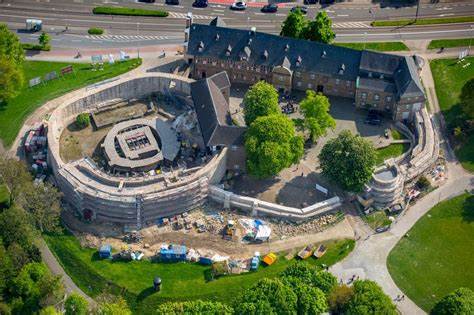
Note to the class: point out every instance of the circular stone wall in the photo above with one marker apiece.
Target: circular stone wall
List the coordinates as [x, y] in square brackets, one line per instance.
[130, 201]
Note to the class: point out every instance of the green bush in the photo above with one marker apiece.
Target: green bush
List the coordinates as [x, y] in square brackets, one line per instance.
[423, 183]
[95, 31]
[129, 11]
[29, 46]
[83, 120]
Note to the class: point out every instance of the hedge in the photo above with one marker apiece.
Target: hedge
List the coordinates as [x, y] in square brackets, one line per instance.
[95, 31]
[129, 11]
[29, 46]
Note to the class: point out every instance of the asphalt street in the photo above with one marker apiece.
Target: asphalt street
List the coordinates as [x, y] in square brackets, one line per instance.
[67, 21]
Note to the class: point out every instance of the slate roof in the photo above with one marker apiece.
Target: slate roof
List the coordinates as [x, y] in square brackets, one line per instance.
[213, 114]
[377, 85]
[372, 61]
[278, 48]
[407, 80]
[221, 79]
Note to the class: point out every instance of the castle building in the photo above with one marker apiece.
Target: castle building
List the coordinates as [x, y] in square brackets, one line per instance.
[383, 82]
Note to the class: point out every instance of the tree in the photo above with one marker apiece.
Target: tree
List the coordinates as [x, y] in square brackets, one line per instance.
[272, 145]
[83, 120]
[460, 301]
[466, 99]
[76, 305]
[44, 39]
[300, 270]
[349, 160]
[294, 24]
[15, 227]
[320, 30]
[51, 289]
[43, 203]
[315, 109]
[260, 100]
[11, 79]
[10, 46]
[311, 300]
[194, 307]
[276, 296]
[339, 299]
[120, 307]
[325, 281]
[18, 255]
[6, 269]
[50, 310]
[370, 299]
[15, 175]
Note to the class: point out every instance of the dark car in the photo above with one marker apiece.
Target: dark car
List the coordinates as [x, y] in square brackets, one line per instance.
[310, 1]
[269, 8]
[373, 121]
[303, 10]
[172, 2]
[374, 114]
[200, 3]
[147, 1]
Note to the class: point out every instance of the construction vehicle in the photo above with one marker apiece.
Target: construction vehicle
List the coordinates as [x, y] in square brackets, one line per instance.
[229, 230]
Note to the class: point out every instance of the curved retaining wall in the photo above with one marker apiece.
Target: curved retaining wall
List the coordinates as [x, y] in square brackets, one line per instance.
[130, 201]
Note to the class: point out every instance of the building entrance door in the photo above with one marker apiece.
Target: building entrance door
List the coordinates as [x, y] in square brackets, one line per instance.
[319, 89]
[203, 74]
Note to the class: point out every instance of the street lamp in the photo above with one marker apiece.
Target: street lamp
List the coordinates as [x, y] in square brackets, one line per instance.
[417, 8]
[470, 41]
[138, 39]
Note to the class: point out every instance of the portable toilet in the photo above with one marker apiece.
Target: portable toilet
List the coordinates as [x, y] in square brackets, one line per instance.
[105, 251]
[255, 261]
[157, 284]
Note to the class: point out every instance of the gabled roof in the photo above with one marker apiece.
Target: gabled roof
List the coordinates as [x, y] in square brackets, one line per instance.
[377, 85]
[276, 48]
[406, 79]
[213, 114]
[221, 79]
[372, 61]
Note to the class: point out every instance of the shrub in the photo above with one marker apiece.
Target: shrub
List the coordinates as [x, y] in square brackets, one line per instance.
[458, 133]
[129, 11]
[423, 183]
[29, 46]
[95, 31]
[83, 120]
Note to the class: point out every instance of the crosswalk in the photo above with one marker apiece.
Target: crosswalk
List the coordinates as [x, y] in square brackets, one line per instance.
[351, 25]
[177, 15]
[125, 38]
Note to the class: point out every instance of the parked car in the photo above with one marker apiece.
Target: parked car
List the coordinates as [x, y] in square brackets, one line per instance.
[172, 2]
[303, 10]
[269, 8]
[147, 1]
[310, 1]
[200, 3]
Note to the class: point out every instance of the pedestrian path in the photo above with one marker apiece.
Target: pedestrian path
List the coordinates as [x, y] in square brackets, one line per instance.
[178, 15]
[127, 38]
[351, 25]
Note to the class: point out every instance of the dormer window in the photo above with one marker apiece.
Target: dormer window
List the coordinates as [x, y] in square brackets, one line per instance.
[287, 47]
[298, 61]
[323, 54]
[342, 68]
[265, 55]
[228, 50]
[249, 42]
[201, 46]
[217, 37]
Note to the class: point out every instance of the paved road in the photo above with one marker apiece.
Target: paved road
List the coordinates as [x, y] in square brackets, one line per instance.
[351, 22]
[369, 258]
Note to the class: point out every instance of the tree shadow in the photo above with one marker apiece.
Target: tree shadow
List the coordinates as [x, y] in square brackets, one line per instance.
[468, 210]
[250, 186]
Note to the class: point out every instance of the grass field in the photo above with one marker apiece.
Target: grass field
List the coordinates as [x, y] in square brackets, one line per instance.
[460, 19]
[14, 112]
[129, 11]
[378, 46]
[377, 219]
[447, 43]
[397, 135]
[449, 78]
[181, 281]
[392, 150]
[436, 257]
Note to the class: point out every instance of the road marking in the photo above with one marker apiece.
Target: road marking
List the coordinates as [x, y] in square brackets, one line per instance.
[329, 11]
[56, 39]
[97, 41]
[280, 14]
[258, 13]
[239, 12]
[343, 15]
[405, 33]
[444, 8]
[447, 14]
[160, 4]
[220, 10]
[76, 40]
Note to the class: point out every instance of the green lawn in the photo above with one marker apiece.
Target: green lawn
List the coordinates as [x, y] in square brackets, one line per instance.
[460, 19]
[447, 43]
[14, 112]
[436, 257]
[181, 281]
[397, 135]
[392, 150]
[377, 219]
[449, 78]
[378, 46]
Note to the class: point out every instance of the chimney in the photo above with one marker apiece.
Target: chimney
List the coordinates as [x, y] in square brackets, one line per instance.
[253, 30]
